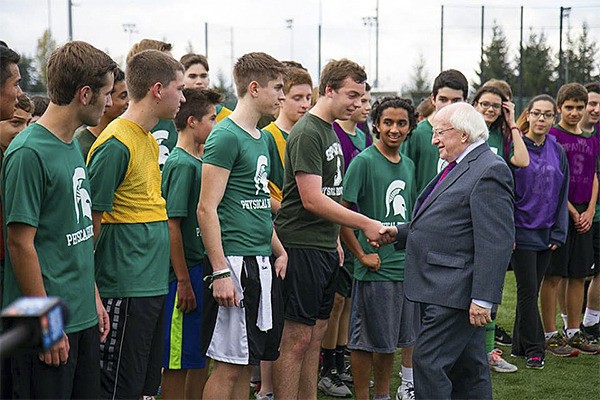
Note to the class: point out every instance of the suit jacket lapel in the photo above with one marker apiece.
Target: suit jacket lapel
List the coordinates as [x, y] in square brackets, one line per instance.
[423, 202]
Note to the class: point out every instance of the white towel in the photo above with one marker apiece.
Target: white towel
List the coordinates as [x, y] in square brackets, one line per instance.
[264, 322]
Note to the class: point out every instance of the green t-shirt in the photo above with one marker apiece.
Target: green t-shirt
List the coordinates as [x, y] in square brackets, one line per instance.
[181, 189]
[426, 156]
[384, 191]
[359, 140]
[131, 259]
[45, 185]
[86, 139]
[312, 148]
[165, 134]
[245, 210]
[496, 142]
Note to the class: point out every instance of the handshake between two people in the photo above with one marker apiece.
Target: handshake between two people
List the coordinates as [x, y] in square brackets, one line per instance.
[378, 235]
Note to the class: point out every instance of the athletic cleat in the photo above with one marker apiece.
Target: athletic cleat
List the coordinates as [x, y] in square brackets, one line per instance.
[580, 342]
[501, 337]
[535, 362]
[558, 346]
[592, 332]
[499, 364]
[268, 396]
[331, 385]
[406, 391]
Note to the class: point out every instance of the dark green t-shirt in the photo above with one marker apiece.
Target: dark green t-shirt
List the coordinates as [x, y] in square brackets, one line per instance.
[496, 142]
[86, 139]
[245, 210]
[131, 259]
[165, 134]
[384, 191]
[181, 189]
[312, 148]
[426, 156]
[45, 185]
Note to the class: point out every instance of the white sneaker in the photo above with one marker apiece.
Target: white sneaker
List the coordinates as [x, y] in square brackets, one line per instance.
[499, 364]
[406, 391]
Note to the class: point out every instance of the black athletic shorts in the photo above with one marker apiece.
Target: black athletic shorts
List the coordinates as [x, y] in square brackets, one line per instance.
[575, 258]
[131, 357]
[79, 378]
[309, 285]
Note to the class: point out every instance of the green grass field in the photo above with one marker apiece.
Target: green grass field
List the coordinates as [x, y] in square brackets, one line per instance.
[561, 378]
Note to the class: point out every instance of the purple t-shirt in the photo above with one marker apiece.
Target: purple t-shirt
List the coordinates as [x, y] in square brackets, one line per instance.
[582, 153]
[351, 146]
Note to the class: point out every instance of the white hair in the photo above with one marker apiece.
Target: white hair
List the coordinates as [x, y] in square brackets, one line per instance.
[465, 118]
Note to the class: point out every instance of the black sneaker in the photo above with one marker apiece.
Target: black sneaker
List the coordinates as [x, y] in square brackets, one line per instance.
[591, 332]
[535, 362]
[501, 337]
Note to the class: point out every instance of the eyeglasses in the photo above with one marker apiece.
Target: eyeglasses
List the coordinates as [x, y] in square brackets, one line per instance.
[487, 104]
[537, 114]
[437, 132]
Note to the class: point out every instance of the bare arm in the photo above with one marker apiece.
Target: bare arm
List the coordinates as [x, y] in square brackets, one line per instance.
[97, 223]
[586, 217]
[24, 259]
[520, 156]
[214, 182]
[186, 300]
[370, 261]
[313, 200]
[26, 267]
[280, 256]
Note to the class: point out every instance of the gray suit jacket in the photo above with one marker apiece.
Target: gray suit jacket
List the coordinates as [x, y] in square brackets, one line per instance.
[460, 239]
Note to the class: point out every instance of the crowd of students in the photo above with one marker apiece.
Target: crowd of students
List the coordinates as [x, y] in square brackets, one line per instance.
[178, 231]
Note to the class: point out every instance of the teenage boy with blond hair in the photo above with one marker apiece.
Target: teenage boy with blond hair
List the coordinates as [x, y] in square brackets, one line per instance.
[130, 225]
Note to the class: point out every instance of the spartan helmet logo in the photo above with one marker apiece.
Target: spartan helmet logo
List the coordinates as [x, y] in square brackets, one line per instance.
[163, 151]
[260, 178]
[441, 165]
[393, 197]
[337, 179]
[81, 196]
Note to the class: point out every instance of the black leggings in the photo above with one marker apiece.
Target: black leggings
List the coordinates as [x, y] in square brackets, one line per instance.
[528, 335]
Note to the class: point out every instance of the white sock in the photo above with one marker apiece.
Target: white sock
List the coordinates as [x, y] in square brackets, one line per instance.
[548, 335]
[564, 318]
[591, 317]
[571, 332]
[407, 374]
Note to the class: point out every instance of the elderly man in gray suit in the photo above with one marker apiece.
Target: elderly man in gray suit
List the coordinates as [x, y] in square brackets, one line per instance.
[458, 246]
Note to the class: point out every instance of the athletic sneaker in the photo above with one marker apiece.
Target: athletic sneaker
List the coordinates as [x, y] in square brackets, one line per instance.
[406, 391]
[331, 385]
[592, 332]
[580, 342]
[535, 362]
[499, 364]
[268, 396]
[558, 346]
[346, 375]
[501, 337]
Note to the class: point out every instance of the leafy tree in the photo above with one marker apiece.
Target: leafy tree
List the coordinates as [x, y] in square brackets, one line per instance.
[420, 83]
[538, 66]
[45, 46]
[189, 48]
[580, 61]
[495, 63]
[30, 76]
[226, 90]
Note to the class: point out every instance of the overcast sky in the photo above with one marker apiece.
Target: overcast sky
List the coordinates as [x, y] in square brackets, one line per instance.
[235, 27]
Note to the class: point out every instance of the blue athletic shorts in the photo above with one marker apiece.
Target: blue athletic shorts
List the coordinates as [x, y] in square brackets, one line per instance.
[183, 332]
